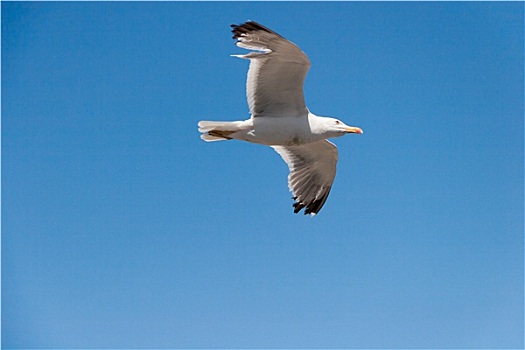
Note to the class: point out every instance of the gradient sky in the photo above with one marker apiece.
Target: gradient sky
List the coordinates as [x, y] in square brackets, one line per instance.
[122, 229]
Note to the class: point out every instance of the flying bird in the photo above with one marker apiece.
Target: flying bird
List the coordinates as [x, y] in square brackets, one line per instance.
[280, 118]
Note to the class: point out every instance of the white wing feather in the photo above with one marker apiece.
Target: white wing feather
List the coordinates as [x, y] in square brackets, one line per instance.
[278, 67]
[312, 172]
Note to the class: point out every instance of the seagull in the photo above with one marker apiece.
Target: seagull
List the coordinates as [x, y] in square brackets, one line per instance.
[280, 118]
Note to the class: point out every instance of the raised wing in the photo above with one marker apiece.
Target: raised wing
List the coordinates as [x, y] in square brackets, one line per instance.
[312, 172]
[274, 86]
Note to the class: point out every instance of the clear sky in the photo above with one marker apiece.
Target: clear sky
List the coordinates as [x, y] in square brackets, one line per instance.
[122, 229]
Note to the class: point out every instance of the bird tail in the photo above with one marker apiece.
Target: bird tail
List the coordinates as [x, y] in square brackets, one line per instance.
[217, 131]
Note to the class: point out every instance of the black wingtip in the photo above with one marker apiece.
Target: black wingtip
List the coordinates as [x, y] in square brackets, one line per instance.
[297, 207]
[246, 27]
[313, 207]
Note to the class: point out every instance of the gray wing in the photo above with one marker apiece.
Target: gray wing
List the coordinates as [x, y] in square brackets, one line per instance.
[312, 172]
[274, 86]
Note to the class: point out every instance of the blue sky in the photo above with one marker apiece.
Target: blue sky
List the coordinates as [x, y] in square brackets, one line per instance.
[122, 229]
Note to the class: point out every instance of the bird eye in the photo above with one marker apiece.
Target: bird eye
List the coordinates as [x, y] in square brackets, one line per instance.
[337, 122]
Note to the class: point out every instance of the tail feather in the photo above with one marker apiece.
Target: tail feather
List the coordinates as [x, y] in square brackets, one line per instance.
[210, 138]
[217, 131]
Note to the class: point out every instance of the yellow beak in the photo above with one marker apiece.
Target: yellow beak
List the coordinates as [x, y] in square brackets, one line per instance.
[354, 130]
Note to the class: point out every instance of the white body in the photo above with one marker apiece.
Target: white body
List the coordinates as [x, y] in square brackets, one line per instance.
[292, 130]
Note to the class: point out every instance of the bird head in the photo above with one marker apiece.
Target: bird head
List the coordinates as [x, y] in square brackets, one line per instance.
[334, 128]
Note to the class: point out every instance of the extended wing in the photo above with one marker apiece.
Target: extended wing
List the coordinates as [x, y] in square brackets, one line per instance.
[312, 172]
[274, 86]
